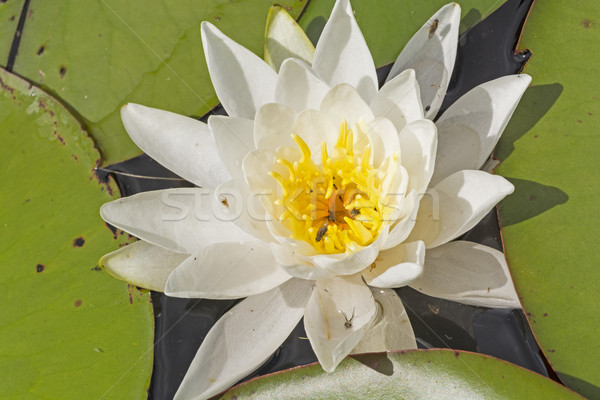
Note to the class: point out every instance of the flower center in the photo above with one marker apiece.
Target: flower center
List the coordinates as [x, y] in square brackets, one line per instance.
[337, 206]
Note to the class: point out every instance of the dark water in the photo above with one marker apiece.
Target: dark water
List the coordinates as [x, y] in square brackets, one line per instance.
[486, 51]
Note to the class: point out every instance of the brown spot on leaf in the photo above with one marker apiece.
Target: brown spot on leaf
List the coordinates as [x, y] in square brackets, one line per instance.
[39, 268]
[586, 23]
[79, 242]
[96, 268]
[41, 50]
[532, 197]
[77, 303]
[12, 18]
[62, 71]
[456, 354]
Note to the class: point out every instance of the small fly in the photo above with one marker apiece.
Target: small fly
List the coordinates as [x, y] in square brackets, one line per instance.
[321, 232]
[433, 27]
[348, 323]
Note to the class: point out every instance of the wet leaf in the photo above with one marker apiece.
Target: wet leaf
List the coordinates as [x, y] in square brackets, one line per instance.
[418, 374]
[69, 329]
[549, 150]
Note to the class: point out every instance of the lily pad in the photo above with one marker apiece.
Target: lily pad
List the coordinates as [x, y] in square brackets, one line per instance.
[9, 18]
[69, 330]
[418, 374]
[549, 151]
[99, 55]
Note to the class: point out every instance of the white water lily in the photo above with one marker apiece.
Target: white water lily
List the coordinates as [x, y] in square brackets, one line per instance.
[318, 194]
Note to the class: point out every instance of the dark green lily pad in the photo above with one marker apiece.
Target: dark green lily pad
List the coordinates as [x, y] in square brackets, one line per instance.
[418, 374]
[549, 150]
[69, 330]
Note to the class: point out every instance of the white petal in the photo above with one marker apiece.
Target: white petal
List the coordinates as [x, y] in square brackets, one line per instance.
[315, 127]
[469, 273]
[469, 130]
[391, 330]
[342, 55]
[343, 102]
[383, 137]
[350, 262]
[244, 338]
[299, 87]
[397, 266]
[234, 139]
[181, 144]
[142, 264]
[273, 126]
[418, 143]
[399, 100]
[407, 219]
[326, 325]
[243, 81]
[431, 52]
[456, 204]
[284, 38]
[295, 266]
[226, 271]
[181, 220]
[234, 201]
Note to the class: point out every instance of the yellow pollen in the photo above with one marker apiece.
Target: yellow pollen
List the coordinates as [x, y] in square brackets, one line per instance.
[336, 206]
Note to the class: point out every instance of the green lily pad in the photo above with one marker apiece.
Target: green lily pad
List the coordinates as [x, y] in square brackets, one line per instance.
[418, 374]
[9, 18]
[69, 330]
[99, 55]
[387, 28]
[550, 225]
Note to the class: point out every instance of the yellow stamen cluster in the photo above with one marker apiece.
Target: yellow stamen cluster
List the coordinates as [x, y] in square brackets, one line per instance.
[334, 207]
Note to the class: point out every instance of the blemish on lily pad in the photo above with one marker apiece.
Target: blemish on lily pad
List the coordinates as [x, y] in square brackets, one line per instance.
[39, 268]
[79, 242]
[41, 50]
[77, 303]
[62, 71]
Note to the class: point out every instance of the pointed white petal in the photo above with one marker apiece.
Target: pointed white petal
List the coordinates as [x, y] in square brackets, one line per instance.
[343, 102]
[244, 338]
[342, 55]
[418, 143]
[350, 262]
[243, 81]
[181, 144]
[469, 130]
[284, 38]
[399, 100]
[456, 204]
[299, 87]
[234, 139]
[332, 334]
[391, 330]
[181, 220]
[469, 273]
[397, 266]
[234, 201]
[273, 126]
[226, 271]
[431, 52]
[142, 264]
[295, 266]
[407, 219]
